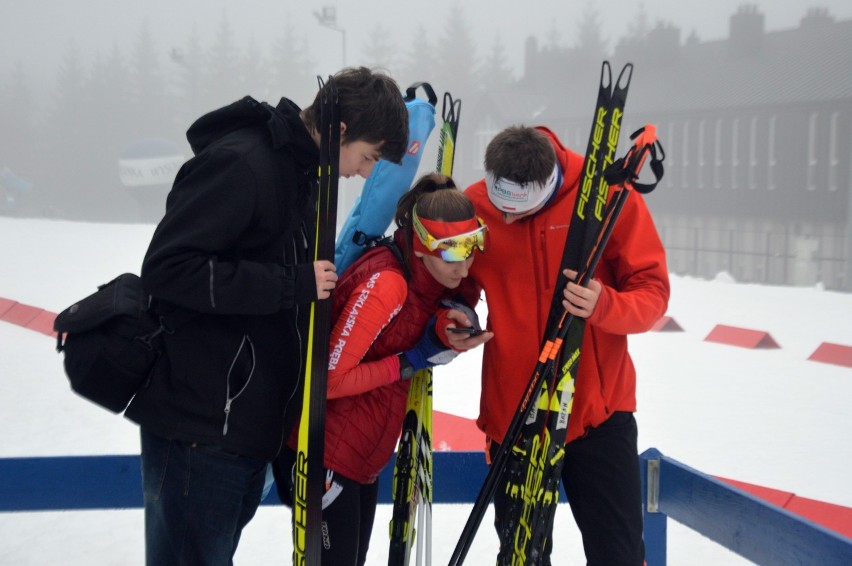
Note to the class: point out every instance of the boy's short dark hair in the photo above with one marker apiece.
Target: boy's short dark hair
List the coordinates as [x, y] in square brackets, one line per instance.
[372, 108]
[520, 154]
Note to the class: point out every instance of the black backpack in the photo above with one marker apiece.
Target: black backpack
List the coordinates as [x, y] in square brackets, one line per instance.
[111, 340]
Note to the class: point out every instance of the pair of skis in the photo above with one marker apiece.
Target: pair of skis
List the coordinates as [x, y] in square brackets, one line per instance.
[529, 461]
[309, 480]
[412, 477]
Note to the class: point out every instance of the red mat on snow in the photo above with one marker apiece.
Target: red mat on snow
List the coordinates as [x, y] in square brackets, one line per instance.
[742, 337]
[5, 305]
[666, 324]
[829, 353]
[27, 316]
[457, 434]
[21, 314]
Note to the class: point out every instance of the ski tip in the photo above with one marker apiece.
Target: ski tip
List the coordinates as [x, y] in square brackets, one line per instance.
[606, 75]
[624, 77]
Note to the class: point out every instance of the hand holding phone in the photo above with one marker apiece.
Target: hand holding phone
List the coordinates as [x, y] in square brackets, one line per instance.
[465, 330]
[474, 329]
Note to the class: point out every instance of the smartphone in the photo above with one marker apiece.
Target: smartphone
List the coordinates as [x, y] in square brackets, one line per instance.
[465, 330]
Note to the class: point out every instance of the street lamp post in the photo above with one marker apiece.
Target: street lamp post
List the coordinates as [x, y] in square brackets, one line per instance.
[328, 18]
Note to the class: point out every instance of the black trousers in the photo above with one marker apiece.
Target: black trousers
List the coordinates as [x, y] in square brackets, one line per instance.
[601, 479]
[348, 512]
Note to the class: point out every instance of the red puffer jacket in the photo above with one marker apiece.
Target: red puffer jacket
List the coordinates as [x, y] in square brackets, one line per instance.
[377, 314]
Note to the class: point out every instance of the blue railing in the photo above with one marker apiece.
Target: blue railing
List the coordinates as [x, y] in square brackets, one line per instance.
[735, 519]
[742, 523]
[115, 482]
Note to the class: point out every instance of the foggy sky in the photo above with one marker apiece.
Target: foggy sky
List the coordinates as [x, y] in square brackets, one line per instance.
[36, 33]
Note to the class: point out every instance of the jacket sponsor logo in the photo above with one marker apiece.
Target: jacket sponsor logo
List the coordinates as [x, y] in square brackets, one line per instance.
[334, 357]
[414, 148]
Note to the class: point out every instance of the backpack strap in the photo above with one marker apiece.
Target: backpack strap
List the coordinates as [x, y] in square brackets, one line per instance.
[369, 242]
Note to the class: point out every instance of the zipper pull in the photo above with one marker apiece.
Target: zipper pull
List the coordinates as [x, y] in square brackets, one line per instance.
[227, 414]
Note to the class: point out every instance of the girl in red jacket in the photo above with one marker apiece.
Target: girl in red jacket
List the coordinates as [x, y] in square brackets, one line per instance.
[389, 324]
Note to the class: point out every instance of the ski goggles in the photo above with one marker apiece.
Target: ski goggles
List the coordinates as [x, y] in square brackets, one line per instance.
[458, 247]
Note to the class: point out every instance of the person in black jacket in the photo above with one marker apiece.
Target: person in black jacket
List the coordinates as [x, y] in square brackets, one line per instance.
[233, 251]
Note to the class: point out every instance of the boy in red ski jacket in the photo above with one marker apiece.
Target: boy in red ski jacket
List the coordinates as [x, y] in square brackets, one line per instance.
[526, 200]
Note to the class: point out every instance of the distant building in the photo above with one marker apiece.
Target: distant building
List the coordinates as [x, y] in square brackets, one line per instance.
[758, 136]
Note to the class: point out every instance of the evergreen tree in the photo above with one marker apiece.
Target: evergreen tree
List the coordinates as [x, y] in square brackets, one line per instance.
[19, 154]
[63, 178]
[291, 70]
[149, 103]
[222, 85]
[379, 51]
[107, 132]
[17, 124]
[634, 41]
[188, 65]
[496, 73]
[108, 92]
[456, 63]
[554, 37]
[456, 57]
[639, 27]
[591, 45]
[253, 80]
[418, 59]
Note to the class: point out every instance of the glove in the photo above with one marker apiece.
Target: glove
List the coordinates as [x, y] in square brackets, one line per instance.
[444, 321]
[463, 308]
[429, 351]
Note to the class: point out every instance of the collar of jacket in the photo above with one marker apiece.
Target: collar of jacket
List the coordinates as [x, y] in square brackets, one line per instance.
[287, 129]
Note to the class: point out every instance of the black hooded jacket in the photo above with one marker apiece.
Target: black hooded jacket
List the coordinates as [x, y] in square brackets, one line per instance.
[232, 249]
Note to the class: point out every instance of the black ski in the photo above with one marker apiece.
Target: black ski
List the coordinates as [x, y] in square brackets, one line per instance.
[587, 218]
[309, 484]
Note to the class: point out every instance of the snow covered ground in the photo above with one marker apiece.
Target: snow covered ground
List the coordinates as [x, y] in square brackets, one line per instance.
[763, 416]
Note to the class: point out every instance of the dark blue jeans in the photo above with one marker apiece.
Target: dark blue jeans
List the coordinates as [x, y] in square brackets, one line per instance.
[197, 501]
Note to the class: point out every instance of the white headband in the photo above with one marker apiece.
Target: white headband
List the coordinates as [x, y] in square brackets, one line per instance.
[517, 198]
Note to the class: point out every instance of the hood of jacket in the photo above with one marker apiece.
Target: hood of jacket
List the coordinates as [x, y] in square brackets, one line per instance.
[282, 123]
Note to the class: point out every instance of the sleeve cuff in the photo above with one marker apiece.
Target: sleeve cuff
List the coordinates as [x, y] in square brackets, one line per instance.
[299, 285]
